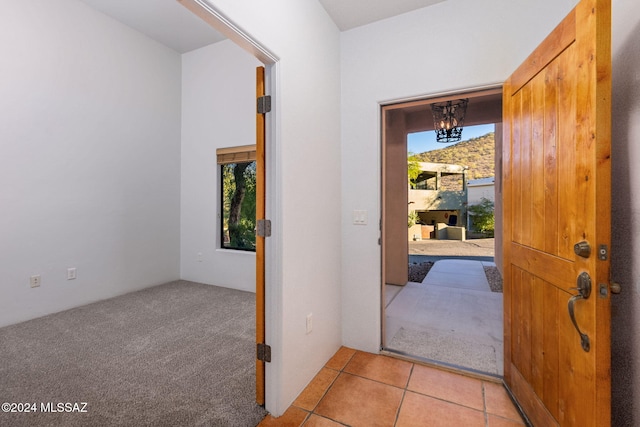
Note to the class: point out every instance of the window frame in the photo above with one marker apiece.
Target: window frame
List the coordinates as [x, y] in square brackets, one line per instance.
[225, 156]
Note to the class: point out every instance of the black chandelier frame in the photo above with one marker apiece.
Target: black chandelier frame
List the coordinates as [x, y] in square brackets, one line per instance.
[448, 119]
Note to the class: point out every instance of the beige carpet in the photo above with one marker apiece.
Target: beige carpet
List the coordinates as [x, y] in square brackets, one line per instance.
[180, 354]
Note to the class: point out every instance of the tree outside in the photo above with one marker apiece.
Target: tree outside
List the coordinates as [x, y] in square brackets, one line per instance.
[239, 205]
[482, 217]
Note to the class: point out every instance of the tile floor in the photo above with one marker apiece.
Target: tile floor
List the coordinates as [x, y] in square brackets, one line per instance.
[363, 389]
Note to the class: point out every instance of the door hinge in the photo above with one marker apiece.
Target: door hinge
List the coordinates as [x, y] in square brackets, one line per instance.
[264, 104]
[264, 352]
[263, 228]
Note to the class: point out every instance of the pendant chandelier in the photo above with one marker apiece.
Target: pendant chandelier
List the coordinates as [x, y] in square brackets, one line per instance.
[448, 118]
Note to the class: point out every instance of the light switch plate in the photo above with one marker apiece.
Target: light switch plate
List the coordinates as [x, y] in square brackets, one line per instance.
[360, 217]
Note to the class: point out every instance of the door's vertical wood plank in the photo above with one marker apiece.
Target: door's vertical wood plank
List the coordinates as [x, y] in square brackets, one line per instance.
[516, 317]
[566, 340]
[537, 177]
[576, 370]
[526, 325]
[550, 159]
[526, 139]
[516, 185]
[566, 154]
[538, 330]
[552, 308]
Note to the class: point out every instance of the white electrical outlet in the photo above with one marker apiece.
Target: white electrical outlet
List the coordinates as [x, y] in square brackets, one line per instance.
[34, 281]
[199, 257]
[309, 322]
[71, 273]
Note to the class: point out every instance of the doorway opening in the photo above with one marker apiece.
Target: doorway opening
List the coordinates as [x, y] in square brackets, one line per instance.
[266, 152]
[442, 301]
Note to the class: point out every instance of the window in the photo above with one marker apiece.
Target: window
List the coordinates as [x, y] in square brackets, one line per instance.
[238, 197]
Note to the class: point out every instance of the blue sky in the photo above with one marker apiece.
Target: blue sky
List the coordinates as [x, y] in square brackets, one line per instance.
[420, 142]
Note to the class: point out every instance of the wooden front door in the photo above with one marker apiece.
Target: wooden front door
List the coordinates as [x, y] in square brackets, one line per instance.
[260, 214]
[556, 178]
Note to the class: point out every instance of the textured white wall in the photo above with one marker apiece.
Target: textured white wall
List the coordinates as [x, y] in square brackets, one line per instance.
[89, 158]
[305, 196]
[411, 55]
[218, 110]
[475, 194]
[625, 253]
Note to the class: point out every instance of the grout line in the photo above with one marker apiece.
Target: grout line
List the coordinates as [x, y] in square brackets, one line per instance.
[305, 418]
[326, 391]
[446, 401]
[395, 421]
[324, 417]
[340, 372]
[484, 404]
[406, 386]
[372, 380]
[404, 393]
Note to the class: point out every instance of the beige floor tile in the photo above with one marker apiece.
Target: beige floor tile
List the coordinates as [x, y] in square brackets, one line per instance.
[317, 421]
[312, 394]
[447, 386]
[340, 359]
[495, 421]
[385, 369]
[499, 403]
[357, 401]
[425, 411]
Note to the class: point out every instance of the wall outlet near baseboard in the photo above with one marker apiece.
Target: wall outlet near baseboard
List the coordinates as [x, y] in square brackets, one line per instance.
[71, 273]
[35, 280]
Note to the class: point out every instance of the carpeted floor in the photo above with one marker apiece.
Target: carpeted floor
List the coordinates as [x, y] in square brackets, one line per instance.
[180, 354]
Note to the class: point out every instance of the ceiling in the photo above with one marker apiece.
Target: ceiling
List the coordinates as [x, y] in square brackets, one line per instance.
[165, 21]
[171, 24]
[348, 14]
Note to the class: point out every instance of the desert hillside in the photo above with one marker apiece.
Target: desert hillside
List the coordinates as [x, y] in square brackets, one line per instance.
[477, 153]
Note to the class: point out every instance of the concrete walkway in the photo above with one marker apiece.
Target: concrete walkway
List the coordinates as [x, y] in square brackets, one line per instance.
[470, 248]
[451, 317]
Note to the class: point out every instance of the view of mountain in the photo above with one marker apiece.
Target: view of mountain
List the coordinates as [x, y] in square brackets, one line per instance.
[477, 153]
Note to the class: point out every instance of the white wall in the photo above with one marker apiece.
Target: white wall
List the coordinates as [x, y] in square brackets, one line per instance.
[218, 110]
[475, 193]
[89, 158]
[304, 198]
[625, 251]
[400, 58]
